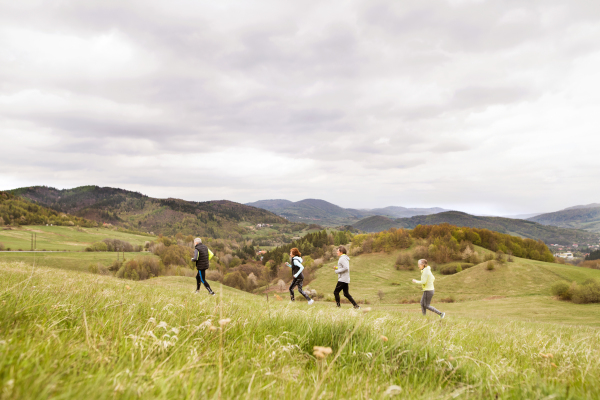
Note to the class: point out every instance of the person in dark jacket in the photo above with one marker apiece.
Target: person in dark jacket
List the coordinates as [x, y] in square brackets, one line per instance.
[297, 275]
[202, 256]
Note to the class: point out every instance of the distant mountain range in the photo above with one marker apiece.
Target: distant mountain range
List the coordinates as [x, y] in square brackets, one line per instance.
[325, 213]
[217, 219]
[517, 227]
[586, 217]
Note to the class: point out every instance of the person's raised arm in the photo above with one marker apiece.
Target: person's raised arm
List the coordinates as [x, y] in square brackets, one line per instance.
[299, 264]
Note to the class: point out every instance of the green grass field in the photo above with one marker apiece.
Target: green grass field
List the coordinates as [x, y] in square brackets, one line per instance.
[67, 334]
[68, 260]
[63, 237]
[371, 273]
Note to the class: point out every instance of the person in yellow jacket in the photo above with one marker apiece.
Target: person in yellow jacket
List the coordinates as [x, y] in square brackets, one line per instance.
[426, 283]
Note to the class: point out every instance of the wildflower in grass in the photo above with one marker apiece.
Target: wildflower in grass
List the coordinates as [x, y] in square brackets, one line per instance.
[175, 331]
[366, 309]
[127, 287]
[554, 365]
[383, 338]
[162, 324]
[393, 390]
[321, 352]
[152, 320]
[224, 321]
[212, 328]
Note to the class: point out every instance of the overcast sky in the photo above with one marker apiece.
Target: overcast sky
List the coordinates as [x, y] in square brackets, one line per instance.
[482, 106]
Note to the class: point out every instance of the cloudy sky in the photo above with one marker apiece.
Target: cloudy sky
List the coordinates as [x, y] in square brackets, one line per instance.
[483, 106]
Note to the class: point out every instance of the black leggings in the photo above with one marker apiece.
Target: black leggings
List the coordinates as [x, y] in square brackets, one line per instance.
[201, 277]
[426, 301]
[297, 281]
[338, 288]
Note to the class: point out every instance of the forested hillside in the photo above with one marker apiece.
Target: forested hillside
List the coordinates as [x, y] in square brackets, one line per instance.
[326, 213]
[217, 219]
[523, 228]
[15, 210]
[579, 217]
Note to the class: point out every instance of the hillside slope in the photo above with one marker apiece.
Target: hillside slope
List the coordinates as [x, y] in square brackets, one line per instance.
[579, 217]
[326, 213]
[372, 273]
[15, 210]
[218, 219]
[523, 228]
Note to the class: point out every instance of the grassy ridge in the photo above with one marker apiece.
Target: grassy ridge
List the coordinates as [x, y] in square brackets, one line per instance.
[65, 335]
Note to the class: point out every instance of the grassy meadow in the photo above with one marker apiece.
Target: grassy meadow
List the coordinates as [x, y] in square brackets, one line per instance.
[63, 237]
[371, 273]
[67, 334]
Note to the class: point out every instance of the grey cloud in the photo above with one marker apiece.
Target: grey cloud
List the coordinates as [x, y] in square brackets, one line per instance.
[370, 91]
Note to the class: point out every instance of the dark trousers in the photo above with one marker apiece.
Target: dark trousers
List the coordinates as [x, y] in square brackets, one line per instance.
[338, 288]
[426, 300]
[298, 282]
[201, 277]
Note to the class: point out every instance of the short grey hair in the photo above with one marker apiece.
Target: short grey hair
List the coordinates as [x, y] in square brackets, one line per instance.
[422, 261]
[197, 240]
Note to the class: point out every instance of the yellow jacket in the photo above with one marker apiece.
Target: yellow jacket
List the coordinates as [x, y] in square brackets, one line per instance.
[427, 278]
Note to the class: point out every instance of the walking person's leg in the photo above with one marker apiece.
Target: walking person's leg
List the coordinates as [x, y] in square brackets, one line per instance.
[428, 298]
[198, 280]
[202, 274]
[294, 283]
[423, 301]
[347, 295]
[302, 291]
[336, 292]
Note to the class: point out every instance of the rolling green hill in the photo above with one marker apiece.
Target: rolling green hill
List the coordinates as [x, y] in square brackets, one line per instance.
[217, 219]
[517, 227]
[371, 273]
[580, 217]
[325, 213]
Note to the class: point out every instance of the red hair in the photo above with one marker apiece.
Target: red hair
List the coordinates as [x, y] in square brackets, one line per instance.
[295, 252]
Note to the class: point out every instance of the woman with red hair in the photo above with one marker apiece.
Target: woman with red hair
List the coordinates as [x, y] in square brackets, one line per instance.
[297, 275]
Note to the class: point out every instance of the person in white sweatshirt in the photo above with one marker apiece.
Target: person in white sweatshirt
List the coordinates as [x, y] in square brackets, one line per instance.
[426, 283]
[343, 271]
[298, 276]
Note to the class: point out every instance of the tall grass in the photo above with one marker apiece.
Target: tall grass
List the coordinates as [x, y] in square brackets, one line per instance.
[66, 334]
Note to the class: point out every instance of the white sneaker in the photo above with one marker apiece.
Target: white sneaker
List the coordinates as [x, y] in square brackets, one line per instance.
[196, 292]
[443, 315]
[310, 302]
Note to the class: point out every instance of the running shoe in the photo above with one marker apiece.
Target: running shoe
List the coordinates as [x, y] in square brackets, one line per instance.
[310, 302]
[443, 315]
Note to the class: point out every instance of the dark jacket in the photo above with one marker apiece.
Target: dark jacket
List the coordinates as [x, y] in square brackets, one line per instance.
[296, 263]
[201, 256]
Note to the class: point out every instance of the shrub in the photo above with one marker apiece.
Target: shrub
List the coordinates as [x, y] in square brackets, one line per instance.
[214, 275]
[490, 266]
[98, 246]
[140, 268]
[561, 289]
[453, 268]
[420, 252]
[115, 266]
[235, 279]
[488, 257]
[98, 268]
[404, 261]
[589, 292]
[177, 255]
[178, 270]
[1, 246]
